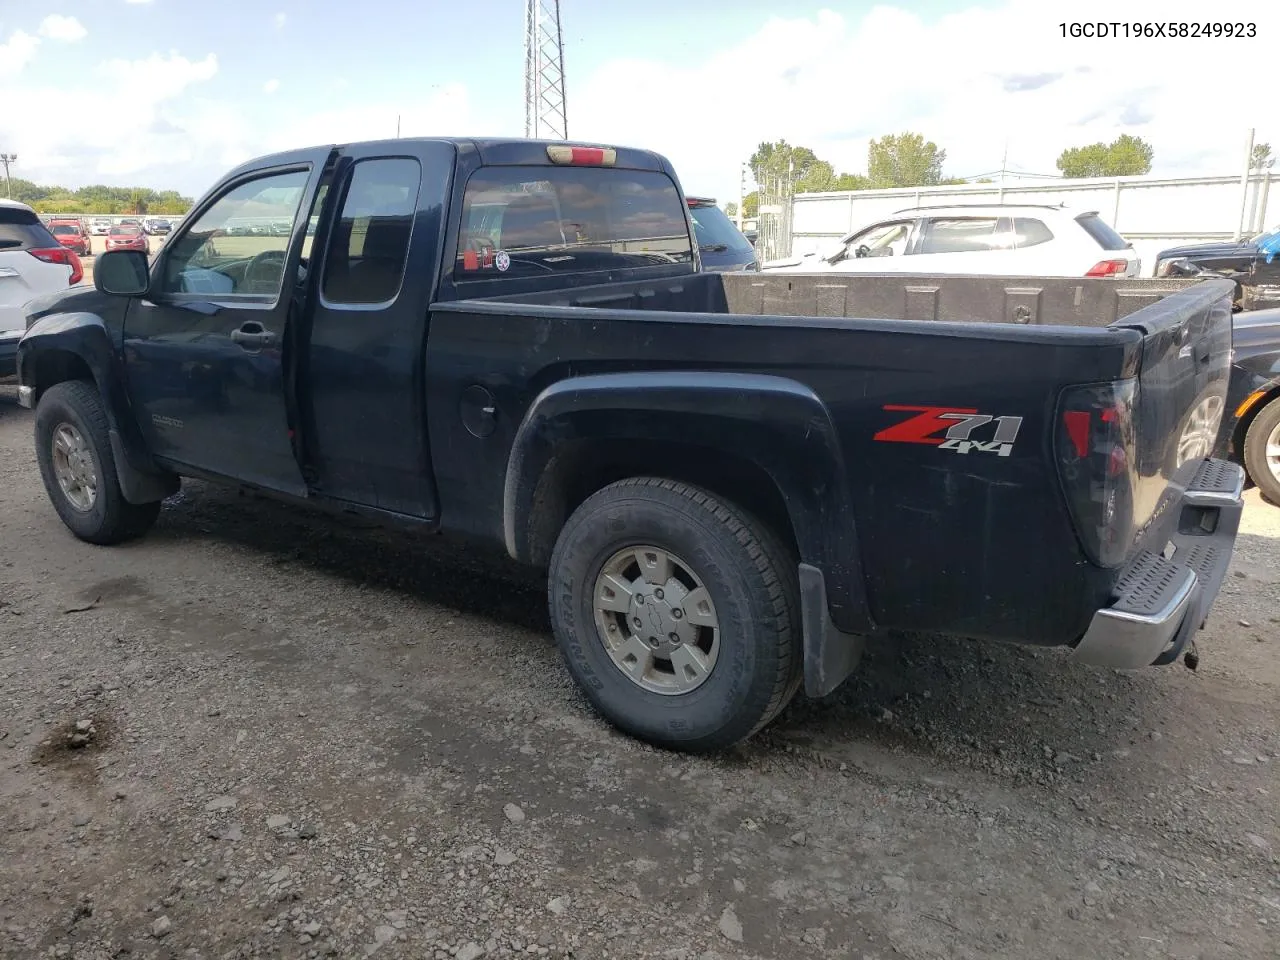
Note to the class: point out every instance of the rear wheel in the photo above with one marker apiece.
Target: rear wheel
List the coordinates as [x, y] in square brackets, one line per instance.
[79, 470]
[1262, 451]
[676, 613]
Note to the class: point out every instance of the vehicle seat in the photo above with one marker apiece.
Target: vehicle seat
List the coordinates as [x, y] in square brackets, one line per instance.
[374, 275]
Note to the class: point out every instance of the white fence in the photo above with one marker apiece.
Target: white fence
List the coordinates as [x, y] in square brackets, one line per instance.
[1151, 213]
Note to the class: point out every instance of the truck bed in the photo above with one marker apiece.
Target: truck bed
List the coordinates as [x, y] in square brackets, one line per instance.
[1032, 301]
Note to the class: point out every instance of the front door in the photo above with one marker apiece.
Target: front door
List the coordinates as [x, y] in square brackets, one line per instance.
[204, 347]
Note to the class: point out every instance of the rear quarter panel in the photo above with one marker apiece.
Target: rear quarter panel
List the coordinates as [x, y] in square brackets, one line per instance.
[972, 543]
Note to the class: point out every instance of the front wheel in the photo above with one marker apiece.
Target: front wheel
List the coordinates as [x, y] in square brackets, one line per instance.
[677, 614]
[79, 470]
[1262, 451]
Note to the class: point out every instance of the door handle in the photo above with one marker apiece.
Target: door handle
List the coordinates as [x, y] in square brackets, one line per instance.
[252, 334]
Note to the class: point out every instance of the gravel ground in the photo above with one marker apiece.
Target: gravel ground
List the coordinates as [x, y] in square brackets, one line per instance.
[258, 734]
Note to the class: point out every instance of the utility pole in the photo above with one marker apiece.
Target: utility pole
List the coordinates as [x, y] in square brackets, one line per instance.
[1244, 184]
[397, 126]
[742, 194]
[6, 159]
[1004, 162]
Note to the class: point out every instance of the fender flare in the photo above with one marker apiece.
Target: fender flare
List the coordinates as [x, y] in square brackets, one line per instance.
[85, 337]
[775, 422]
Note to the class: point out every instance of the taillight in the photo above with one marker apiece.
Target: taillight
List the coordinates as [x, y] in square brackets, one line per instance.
[582, 156]
[62, 255]
[1108, 268]
[1094, 444]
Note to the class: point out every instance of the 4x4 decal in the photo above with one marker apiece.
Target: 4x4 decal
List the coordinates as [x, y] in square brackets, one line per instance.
[959, 424]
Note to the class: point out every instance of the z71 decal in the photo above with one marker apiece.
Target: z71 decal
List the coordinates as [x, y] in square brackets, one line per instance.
[952, 428]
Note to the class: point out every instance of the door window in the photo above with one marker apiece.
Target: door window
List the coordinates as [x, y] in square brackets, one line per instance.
[370, 244]
[238, 246]
[964, 235]
[882, 240]
[1027, 232]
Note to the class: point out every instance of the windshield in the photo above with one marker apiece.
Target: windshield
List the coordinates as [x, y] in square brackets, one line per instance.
[124, 231]
[64, 230]
[716, 232]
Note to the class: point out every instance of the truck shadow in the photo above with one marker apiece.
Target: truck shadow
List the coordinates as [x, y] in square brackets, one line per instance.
[1020, 713]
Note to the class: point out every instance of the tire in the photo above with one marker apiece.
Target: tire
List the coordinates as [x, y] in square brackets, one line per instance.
[106, 517]
[1264, 429]
[754, 652]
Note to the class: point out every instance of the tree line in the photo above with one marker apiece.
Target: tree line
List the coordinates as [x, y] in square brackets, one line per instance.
[909, 160]
[98, 198]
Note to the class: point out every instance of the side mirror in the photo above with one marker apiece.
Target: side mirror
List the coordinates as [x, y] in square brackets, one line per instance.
[122, 273]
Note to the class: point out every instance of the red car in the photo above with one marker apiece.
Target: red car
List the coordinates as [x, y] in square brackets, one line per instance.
[72, 235]
[127, 236]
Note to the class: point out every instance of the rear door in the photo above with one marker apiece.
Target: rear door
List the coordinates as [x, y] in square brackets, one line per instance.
[32, 264]
[364, 396]
[965, 245]
[204, 349]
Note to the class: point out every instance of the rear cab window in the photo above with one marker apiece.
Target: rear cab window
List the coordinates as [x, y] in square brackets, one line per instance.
[536, 221]
[22, 230]
[1105, 237]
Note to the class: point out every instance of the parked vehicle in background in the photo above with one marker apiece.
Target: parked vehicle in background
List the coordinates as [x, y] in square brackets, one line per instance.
[72, 235]
[1253, 264]
[156, 227]
[720, 243]
[100, 226]
[732, 479]
[126, 236]
[991, 239]
[32, 264]
[1251, 430]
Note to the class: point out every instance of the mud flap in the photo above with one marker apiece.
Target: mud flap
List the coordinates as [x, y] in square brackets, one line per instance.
[138, 486]
[830, 654]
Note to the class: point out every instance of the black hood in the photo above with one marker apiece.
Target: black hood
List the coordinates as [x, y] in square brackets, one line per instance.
[1254, 330]
[1229, 249]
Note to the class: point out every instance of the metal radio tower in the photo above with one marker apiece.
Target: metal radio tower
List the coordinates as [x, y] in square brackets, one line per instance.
[545, 117]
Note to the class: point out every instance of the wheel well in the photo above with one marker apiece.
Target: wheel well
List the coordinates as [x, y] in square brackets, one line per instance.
[1242, 427]
[580, 468]
[58, 366]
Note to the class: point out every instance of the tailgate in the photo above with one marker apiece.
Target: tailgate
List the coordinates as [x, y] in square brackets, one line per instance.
[1181, 395]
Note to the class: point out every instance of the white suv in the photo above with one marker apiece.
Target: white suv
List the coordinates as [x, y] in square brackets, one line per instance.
[32, 264]
[996, 239]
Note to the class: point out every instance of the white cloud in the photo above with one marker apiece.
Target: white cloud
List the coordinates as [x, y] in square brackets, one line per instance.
[159, 77]
[968, 81]
[16, 52]
[447, 109]
[57, 27]
[280, 20]
[125, 122]
[271, 86]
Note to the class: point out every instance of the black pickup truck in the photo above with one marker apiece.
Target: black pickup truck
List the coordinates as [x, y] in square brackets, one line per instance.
[732, 479]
